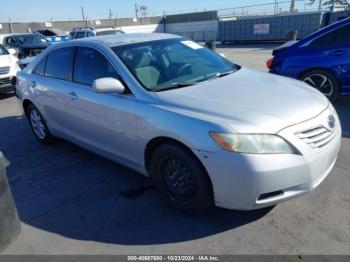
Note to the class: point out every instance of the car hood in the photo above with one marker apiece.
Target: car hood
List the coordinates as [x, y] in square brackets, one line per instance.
[248, 101]
[7, 60]
[39, 46]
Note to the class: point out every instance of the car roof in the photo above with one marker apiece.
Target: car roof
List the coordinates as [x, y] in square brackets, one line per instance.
[19, 34]
[323, 31]
[125, 39]
[101, 29]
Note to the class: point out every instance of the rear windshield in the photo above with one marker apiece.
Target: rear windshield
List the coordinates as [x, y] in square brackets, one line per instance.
[110, 32]
[31, 39]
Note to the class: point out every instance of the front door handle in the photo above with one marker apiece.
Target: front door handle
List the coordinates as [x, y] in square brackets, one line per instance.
[337, 53]
[73, 96]
[32, 84]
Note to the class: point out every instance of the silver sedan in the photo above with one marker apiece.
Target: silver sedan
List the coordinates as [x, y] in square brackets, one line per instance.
[207, 131]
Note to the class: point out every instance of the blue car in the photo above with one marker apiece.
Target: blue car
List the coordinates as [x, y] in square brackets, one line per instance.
[321, 60]
[53, 35]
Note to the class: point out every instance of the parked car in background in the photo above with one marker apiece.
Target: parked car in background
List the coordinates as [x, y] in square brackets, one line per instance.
[321, 60]
[8, 69]
[53, 35]
[78, 33]
[26, 45]
[206, 130]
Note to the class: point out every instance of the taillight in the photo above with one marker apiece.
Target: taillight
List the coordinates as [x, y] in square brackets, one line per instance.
[270, 63]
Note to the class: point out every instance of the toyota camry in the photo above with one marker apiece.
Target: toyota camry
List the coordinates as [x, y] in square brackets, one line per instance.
[208, 131]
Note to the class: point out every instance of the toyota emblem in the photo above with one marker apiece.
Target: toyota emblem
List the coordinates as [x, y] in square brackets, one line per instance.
[331, 121]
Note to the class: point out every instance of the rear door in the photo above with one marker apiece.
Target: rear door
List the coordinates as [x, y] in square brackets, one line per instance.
[51, 81]
[332, 51]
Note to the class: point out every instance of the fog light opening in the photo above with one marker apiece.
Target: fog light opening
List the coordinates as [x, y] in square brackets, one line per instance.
[271, 195]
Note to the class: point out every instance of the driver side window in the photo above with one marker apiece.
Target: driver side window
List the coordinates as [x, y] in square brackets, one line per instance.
[91, 65]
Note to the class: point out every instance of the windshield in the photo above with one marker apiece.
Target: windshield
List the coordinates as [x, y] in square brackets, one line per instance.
[109, 32]
[30, 39]
[3, 50]
[173, 63]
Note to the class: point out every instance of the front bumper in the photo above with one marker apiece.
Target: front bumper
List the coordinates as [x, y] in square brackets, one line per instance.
[7, 83]
[244, 182]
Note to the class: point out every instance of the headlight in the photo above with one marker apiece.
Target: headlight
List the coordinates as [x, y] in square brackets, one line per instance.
[253, 143]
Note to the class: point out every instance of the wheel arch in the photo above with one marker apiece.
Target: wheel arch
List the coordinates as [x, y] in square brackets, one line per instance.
[156, 142]
[26, 102]
[303, 73]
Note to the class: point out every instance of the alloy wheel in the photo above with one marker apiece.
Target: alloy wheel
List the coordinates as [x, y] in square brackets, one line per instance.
[37, 124]
[321, 82]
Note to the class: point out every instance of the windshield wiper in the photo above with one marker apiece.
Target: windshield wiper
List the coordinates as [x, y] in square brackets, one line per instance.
[219, 75]
[222, 74]
[185, 84]
[175, 86]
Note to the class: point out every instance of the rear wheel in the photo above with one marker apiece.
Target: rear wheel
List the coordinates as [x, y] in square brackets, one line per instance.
[181, 179]
[38, 125]
[324, 81]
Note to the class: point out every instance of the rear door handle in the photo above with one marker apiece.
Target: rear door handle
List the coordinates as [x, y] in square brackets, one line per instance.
[73, 96]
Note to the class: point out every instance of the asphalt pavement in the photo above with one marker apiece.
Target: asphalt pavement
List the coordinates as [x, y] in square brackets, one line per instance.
[71, 201]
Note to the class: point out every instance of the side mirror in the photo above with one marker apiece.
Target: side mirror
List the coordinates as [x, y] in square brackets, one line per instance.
[12, 51]
[108, 85]
[222, 55]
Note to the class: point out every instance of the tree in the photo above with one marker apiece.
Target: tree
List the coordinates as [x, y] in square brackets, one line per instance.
[330, 3]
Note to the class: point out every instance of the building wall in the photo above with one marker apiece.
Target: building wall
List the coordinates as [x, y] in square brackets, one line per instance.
[154, 28]
[197, 31]
[245, 29]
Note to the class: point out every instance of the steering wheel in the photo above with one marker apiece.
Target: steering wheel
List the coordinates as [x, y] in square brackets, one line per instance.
[183, 68]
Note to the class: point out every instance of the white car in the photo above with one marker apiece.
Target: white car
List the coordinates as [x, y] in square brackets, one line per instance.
[8, 69]
[79, 33]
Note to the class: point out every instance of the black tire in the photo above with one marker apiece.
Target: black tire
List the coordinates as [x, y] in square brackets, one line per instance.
[45, 136]
[181, 178]
[324, 81]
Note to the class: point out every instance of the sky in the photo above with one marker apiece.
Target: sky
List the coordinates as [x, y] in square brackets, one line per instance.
[45, 10]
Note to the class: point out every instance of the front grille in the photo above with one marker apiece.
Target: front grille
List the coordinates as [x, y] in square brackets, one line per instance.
[4, 70]
[5, 81]
[317, 137]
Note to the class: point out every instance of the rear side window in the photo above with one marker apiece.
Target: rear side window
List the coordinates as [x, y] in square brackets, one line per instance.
[90, 34]
[91, 65]
[47, 33]
[344, 35]
[340, 36]
[79, 35]
[71, 35]
[40, 69]
[59, 63]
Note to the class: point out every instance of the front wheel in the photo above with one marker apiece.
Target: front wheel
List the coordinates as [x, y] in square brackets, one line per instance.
[38, 125]
[324, 81]
[181, 179]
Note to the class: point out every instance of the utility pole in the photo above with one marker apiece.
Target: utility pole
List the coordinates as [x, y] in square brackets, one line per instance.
[320, 5]
[10, 26]
[82, 12]
[275, 11]
[110, 13]
[292, 6]
[136, 10]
